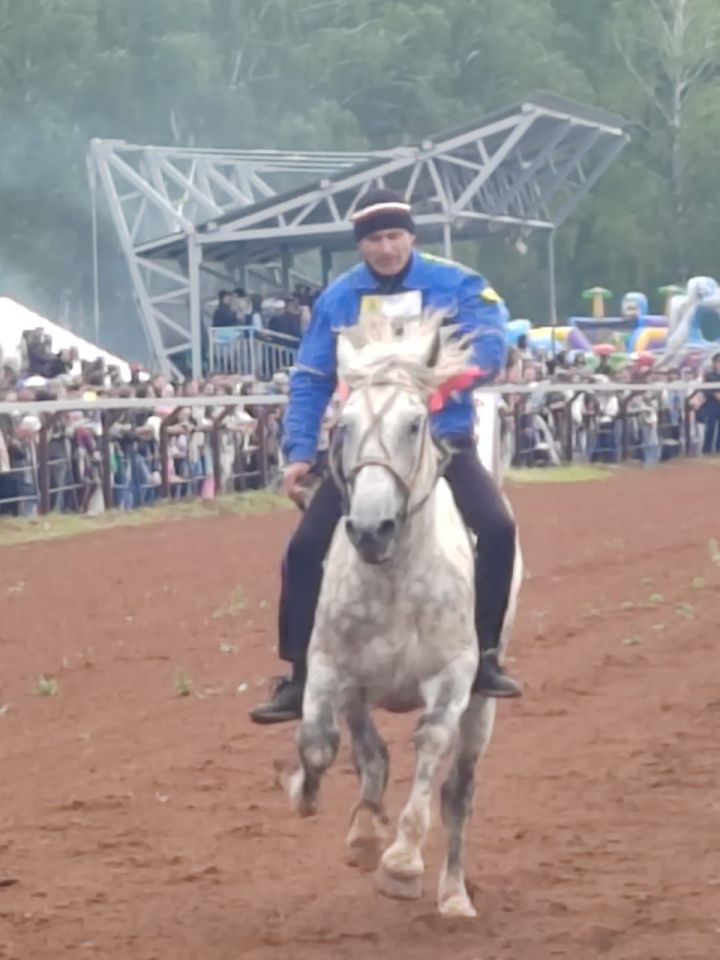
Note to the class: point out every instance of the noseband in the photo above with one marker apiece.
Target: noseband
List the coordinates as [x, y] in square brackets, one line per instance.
[345, 482]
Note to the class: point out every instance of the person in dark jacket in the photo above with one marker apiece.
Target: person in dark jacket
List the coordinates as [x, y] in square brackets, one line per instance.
[711, 408]
[224, 315]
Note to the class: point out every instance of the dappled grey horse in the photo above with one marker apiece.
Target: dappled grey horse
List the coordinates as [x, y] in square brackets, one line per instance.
[395, 621]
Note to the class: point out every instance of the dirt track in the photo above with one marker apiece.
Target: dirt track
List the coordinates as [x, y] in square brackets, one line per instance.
[140, 825]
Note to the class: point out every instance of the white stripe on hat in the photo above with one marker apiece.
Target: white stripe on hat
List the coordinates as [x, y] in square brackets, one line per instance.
[386, 206]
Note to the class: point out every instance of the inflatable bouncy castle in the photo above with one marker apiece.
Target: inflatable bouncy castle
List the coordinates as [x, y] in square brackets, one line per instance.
[689, 329]
[685, 335]
[635, 330]
[541, 339]
[693, 321]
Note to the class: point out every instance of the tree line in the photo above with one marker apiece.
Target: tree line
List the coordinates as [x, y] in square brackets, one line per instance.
[347, 74]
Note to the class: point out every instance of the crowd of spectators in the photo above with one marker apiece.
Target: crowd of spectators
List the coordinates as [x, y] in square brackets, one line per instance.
[637, 422]
[288, 315]
[194, 462]
[189, 451]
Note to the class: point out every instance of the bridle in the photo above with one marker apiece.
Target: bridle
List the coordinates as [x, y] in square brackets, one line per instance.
[345, 482]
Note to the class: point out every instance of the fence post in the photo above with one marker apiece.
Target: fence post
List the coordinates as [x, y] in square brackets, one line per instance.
[168, 421]
[253, 359]
[686, 424]
[624, 434]
[215, 447]
[568, 441]
[108, 418]
[43, 468]
[517, 417]
[262, 446]
[43, 455]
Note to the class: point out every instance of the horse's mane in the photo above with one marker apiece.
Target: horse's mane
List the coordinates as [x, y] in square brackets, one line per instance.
[387, 352]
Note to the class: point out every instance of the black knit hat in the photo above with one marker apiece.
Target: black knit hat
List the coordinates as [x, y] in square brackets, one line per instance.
[381, 210]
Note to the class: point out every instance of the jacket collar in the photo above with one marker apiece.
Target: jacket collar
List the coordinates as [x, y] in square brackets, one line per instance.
[416, 278]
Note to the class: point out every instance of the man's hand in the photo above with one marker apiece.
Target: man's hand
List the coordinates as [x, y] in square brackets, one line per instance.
[295, 482]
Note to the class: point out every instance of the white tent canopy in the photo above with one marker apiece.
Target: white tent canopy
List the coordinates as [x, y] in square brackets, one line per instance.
[16, 319]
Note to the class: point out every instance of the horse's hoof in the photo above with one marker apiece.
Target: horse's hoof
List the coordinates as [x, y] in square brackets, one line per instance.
[366, 841]
[283, 771]
[457, 906]
[364, 853]
[307, 808]
[398, 888]
[302, 800]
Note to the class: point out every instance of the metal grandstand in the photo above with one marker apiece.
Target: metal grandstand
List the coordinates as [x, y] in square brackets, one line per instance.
[193, 220]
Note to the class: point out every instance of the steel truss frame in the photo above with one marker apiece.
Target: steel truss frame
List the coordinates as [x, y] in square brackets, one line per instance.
[190, 220]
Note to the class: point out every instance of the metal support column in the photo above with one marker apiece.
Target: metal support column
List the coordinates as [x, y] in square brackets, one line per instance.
[196, 339]
[552, 285]
[326, 265]
[447, 240]
[285, 267]
[92, 181]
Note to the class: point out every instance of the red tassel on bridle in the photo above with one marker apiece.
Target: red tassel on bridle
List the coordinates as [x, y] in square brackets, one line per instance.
[461, 381]
[457, 384]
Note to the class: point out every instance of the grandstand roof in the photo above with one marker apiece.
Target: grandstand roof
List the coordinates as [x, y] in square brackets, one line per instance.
[185, 213]
[525, 166]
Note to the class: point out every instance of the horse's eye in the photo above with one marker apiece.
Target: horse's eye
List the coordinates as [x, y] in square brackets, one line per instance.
[414, 428]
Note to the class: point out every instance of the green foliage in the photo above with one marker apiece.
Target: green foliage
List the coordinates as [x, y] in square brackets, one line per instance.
[347, 74]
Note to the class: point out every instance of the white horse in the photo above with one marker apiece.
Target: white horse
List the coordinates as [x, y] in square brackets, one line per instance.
[394, 626]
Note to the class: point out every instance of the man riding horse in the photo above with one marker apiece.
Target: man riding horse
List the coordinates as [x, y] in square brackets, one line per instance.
[395, 279]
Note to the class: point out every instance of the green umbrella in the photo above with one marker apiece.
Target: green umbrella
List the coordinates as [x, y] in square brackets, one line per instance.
[598, 295]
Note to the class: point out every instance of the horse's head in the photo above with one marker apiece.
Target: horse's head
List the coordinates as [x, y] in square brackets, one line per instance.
[383, 458]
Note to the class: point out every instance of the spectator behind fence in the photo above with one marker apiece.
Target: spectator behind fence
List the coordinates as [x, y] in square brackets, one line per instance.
[710, 410]
[41, 361]
[289, 322]
[224, 315]
[242, 306]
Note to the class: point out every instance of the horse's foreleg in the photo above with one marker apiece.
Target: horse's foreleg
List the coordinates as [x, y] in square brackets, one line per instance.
[402, 867]
[456, 804]
[317, 738]
[368, 829]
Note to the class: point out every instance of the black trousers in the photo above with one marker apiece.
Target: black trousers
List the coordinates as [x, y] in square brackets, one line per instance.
[483, 510]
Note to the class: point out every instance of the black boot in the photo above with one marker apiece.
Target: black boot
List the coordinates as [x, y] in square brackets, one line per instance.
[492, 681]
[286, 701]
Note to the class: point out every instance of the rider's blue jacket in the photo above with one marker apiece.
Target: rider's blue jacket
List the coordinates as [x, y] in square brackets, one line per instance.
[445, 286]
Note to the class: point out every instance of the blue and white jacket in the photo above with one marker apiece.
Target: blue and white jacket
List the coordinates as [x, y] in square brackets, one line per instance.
[445, 286]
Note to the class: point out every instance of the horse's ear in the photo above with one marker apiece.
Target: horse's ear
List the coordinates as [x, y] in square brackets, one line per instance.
[432, 354]
[346, 354]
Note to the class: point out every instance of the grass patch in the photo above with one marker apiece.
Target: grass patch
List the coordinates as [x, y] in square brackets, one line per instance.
[58, 526]
[46, 686]
[714, 551]
[633, 641]
[234, 607]
[183, 684]
[685, 610]
[574, 473]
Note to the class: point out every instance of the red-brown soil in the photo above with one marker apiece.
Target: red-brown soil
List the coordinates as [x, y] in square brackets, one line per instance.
[137, 824]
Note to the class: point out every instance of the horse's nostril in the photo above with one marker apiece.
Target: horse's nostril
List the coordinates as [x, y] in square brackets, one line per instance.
[387, 528]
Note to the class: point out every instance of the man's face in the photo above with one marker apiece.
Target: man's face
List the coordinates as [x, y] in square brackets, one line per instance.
[387, 251]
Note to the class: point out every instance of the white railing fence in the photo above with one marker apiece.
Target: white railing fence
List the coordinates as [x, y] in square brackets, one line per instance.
[251, 352]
